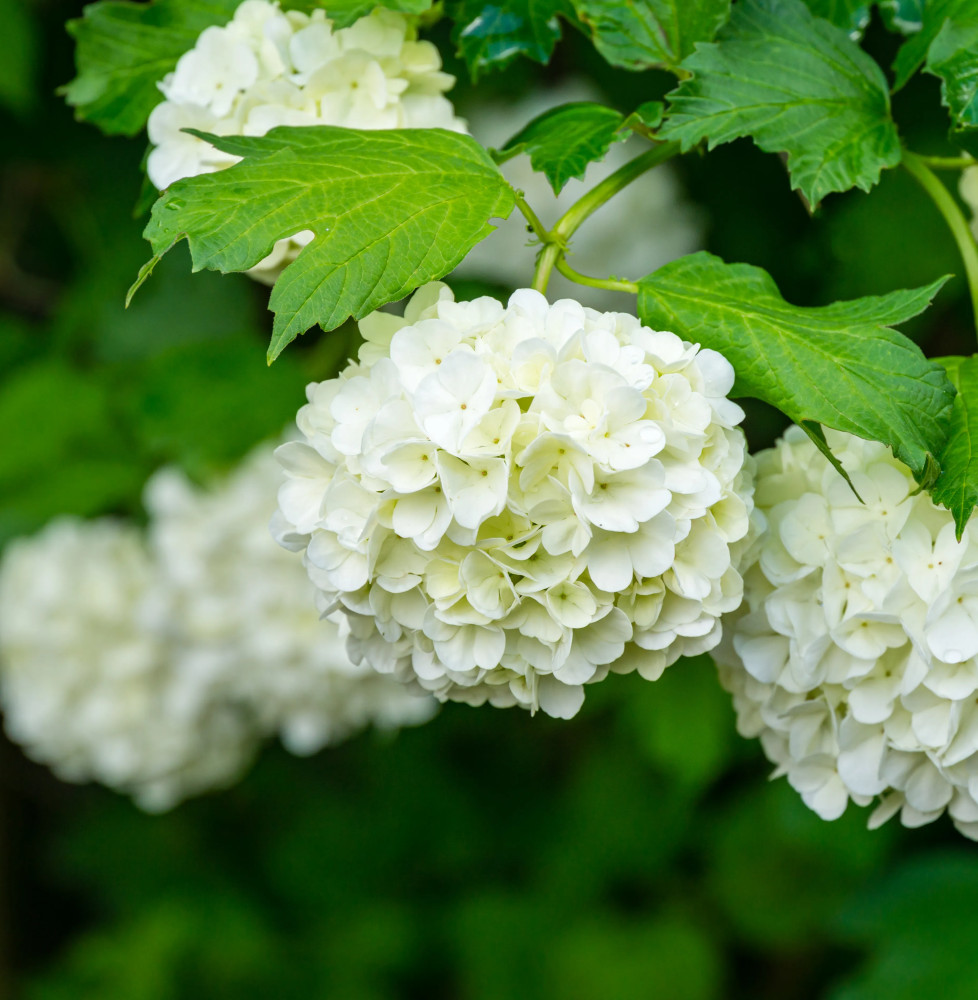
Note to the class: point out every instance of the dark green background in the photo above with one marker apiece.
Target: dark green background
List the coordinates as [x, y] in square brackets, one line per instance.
[637, 851]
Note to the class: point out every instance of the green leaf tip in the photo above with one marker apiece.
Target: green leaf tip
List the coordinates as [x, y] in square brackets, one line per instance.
[147, 269]
[816, 434]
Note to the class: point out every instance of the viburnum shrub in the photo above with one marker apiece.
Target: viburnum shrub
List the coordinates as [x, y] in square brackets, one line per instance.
[508, 501]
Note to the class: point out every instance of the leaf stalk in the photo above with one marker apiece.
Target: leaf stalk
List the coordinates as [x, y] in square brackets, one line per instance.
[589, 203]
[611, 284]
[947, 162]
[920, 170]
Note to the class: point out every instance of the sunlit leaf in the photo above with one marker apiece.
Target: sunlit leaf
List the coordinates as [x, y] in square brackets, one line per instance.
[839, 365]
[390, 210]
[830, 113]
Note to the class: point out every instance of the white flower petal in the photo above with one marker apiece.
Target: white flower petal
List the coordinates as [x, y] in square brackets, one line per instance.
[560, 701]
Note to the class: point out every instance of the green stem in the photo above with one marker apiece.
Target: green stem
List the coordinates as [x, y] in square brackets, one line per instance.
[947, 162]
[550, 257]
[918, 168]
[551, 248]
[539, 230]
[585, 206]
[555, 241]
[612, 284]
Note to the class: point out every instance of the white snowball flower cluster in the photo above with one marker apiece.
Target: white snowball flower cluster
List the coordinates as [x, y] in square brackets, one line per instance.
[94, 681]
[269, 67]
[501, 498]
[250, 601]
[855, 658]
[156, 666]
[647, 225]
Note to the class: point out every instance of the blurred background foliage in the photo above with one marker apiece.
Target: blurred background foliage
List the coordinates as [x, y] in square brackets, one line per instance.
[637, 852]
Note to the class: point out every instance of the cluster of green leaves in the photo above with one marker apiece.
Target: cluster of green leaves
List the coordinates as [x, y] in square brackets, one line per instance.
[392, 210]
[830, 115]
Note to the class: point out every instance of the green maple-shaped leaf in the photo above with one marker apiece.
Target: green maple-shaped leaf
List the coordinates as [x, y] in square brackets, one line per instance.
[124, 49]
[563, 141]
[795, 84]
[640, 34]
[491, 35]
[838, 365]
[390, 210]
[933, 14]
[957, 487]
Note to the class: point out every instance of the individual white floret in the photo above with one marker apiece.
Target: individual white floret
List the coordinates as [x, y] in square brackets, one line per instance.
[502, 498]
[267, 67]
[855, 655]
[95, 680]
[242, 596]
[644, 226]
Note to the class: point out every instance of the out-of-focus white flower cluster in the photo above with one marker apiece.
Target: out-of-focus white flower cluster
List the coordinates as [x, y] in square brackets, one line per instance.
[646, 225]
[249, 600]
[968, 188]
[502, 498]
[92, 679]
[855, 657]
[156, 665]
[269, 67]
